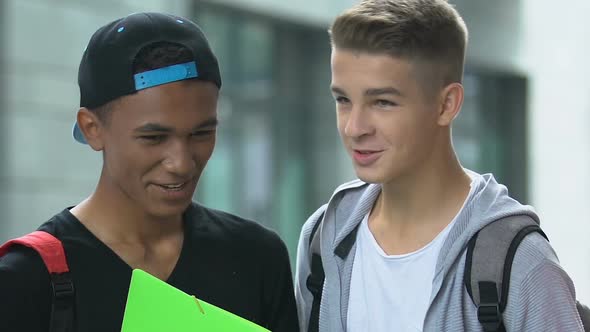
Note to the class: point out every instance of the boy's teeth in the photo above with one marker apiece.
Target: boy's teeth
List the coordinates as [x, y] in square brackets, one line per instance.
[172, 186]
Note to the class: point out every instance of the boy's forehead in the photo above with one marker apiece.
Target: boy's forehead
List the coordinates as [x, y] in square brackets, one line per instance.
[370, 66]
[353, 58]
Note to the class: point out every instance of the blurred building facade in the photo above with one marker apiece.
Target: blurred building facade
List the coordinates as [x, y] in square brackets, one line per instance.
[278, 157]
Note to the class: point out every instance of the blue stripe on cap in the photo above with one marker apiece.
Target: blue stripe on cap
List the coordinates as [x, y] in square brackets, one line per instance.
[165, 75]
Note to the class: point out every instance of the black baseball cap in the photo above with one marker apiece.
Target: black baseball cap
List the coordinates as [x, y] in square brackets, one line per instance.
[106, 70]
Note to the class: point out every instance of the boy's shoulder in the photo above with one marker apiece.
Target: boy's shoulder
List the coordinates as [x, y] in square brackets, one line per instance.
[233, 230]
[26, 262]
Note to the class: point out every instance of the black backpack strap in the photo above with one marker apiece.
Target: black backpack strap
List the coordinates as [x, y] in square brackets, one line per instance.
[315, 281]
[488, 264]
[51, 251]
[62, 308]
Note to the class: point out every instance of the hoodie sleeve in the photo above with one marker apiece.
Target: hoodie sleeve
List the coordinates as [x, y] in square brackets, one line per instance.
[303, 296]
[541, 295]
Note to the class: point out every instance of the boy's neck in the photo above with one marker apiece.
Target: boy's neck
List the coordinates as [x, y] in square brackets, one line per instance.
[115, 217]
[409, 213]
[140, 240]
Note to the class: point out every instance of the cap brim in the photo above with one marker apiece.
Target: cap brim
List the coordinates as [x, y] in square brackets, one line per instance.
[78, 136]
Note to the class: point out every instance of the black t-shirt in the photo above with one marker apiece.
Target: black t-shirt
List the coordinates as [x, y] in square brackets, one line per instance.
[225, 260]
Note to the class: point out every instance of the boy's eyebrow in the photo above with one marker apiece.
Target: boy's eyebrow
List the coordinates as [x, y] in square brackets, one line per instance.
[212, 122]
[371, 92]
[383, 91]
[150, 127]
[155, 127]
[337, 90]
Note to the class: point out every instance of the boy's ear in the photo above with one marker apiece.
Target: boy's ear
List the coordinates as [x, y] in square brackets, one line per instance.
[92, 128]
[451, 101]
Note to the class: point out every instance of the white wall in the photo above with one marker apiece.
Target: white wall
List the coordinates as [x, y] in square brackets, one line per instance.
[556, 53]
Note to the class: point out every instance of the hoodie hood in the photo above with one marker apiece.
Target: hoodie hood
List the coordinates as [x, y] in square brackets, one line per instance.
[487, 201]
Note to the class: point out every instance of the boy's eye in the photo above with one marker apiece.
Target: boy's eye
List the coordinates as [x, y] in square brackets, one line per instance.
[202, 133]
[385, 103]
[153, 138]
[341, 100]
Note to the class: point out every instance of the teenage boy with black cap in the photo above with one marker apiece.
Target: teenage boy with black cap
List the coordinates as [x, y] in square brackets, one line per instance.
[149, 86]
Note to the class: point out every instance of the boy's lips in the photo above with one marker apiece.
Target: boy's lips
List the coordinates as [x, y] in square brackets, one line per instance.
[176, 190]
[173, 186]
[366, 157]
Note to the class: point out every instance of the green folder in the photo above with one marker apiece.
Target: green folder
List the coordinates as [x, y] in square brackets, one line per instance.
[155, 306]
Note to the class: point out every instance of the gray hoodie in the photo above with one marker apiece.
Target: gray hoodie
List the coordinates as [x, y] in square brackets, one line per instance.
[541, 295]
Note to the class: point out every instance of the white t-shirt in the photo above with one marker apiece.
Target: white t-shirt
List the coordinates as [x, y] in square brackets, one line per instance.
[390, 293]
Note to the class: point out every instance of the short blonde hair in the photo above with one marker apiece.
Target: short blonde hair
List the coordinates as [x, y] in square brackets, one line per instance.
[427, 31]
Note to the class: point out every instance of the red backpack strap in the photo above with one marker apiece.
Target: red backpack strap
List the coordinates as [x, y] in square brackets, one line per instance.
[48, 246]
[62, 287]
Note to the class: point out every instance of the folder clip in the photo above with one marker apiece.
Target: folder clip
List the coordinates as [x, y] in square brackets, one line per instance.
[199, 305]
